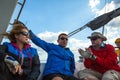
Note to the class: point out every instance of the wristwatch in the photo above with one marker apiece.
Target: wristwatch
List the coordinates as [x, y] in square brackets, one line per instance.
[93, 57]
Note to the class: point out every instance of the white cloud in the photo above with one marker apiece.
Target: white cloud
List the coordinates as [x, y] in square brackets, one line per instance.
[107, 8]
[111, 33]
[93, 4]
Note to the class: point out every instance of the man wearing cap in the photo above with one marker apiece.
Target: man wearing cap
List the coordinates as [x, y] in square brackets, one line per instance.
[100, 60]
[117, 49]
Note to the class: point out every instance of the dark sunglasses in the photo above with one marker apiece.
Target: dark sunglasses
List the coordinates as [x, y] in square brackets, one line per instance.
[94, 38]
[62, 38]
[24, 33]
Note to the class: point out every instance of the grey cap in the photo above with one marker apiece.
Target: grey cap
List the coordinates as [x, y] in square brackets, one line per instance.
[97, 34]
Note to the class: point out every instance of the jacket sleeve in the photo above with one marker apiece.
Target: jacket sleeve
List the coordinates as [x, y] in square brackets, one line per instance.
[39, 42]
[3, 50]
[87, 63]
[35, 72]
[110, 60]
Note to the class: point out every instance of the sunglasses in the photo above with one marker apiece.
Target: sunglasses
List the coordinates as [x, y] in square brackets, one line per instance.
[62, 38]
[24, 33]
[94, 38]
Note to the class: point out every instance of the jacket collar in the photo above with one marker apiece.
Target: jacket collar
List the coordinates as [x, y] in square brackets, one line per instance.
[25, 47]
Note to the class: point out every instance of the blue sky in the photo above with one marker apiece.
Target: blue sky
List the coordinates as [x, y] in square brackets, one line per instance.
[55, 15]
[48, 18]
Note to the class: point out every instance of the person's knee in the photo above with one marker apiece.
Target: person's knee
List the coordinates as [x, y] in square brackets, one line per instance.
[90, 77]
[85, 76]
[57, 78]
[110, 75]
[107, 78]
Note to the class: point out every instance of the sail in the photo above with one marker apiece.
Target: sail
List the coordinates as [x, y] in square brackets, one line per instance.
[98, 22]
[103, 19]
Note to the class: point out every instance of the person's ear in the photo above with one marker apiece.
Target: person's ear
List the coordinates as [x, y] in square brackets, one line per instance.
[16, 36]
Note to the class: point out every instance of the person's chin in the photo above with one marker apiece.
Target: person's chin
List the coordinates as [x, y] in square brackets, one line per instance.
[27, 42]
[93, 45]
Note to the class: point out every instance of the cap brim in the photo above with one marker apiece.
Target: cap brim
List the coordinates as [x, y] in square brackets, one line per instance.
[89, 37]
[103, 38]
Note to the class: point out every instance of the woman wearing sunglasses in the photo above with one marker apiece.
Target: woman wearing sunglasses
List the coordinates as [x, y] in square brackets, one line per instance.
[21, 59]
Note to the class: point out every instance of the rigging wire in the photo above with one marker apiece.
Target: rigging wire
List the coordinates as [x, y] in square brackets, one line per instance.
[103, 28]
[22, 5]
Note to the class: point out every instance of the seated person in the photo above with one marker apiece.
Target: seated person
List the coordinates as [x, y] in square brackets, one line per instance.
[21, 59]
[100, 60]
[117, 48]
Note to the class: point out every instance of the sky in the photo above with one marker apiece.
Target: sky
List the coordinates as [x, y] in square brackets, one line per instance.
[48, 18]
